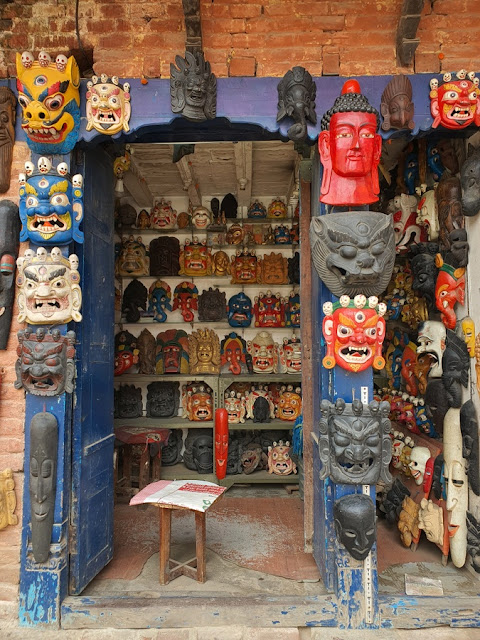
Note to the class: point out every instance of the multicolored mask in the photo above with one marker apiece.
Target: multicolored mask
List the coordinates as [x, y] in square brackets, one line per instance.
[279, 460]
[204, 351]
[292, 310]
[195, 259]
[355, 445]
[257, 210]
[163, 215]
[233, 351]
[7, 135]
[235, 405]
[354, 333]
[449, 289]
[289, 405]
[143, 220]
[277, 209]
[282, 235]
[239, 310]
[201, 217]
[454, 103]
[197, 401]
[126, 352]
[407, 231]
[273, 269]
[264, 352]
[51, 205]
[49, 290]
[269, 310]
[9, 229]
[185, 298]
[172, 352]
[409, 359]
[132, 258]
[291, 355]
[353, 251]
[354, 516]
[108, 108]
[46, 362]
[350, 149]
[245, 267]
[48, 93]
[159, 297]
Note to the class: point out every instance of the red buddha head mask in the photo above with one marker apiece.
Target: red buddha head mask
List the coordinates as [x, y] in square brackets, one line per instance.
[354, 331]
[454, 104]
[350, 149]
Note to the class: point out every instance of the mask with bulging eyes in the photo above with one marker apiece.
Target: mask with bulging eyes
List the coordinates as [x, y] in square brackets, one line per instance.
[354, 516]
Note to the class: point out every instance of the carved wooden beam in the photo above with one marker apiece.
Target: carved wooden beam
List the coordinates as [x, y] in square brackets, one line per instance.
[193, 25]
[189, 180]
[407, 42]
[136, 185]
[243, 168]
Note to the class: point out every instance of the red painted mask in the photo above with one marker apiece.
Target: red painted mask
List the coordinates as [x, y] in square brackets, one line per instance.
[428, 476]
[244, 267]
[409, 359]
[449, 289]
[221, 443]
[195, 259]
[185, 298]
[233, 355]
[269, 310]
[455, 103]
[198, 403]
[354, 333]
[279, 460]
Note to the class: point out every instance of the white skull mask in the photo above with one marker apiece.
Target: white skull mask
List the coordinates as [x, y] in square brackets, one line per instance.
[44, 165]
[62, 169]
[61, 62]
[44, 59]
[27, 59]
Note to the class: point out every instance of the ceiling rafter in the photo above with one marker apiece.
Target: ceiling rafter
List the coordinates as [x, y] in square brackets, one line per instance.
[190, 182]
[243, 169]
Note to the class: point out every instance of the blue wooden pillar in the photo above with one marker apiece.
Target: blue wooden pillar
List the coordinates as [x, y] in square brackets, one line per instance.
[353, 582]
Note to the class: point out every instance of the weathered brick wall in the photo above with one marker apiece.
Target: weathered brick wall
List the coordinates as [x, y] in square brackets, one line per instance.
[12, 414]
[243, 37]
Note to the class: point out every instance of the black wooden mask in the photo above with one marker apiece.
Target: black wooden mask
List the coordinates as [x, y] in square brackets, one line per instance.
[469, 427]
[353, 251]
[294, 269]
[164, 256]
[355, 446]
[46, 362]
[193, 87]
[424, 272]
[296, 99]
[9, 234]
[455, 366]
[212, 306]
[457, 255]
[42, 481]
[171, 452]
[128, 401]
[163, 399]
[470, 181]
[134, 299]
[436, 403]
[354, 516]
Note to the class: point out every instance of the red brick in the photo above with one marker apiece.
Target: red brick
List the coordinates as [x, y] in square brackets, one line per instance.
[242, 67]
[12, 461]
[223, 25]
[452, 7]
[220, 69]
[426, 62]
[331, 64]
[245, 10]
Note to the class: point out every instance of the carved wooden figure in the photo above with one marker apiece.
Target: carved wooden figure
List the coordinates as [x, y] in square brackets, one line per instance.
[146, 344]
[354, 517]
[163, 215]
[164, 256]
[8, 501]
[132, 259]
[470, 183]
[193, 87]
[163, 399]
[273, 269]
[449, 289]
[108, 108]
[396, 104]
[454, 102]
[8, 103]
[204, 352]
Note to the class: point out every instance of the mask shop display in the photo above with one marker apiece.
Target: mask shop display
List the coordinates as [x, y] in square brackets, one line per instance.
[277, 209]
[217, 232]
[289, 405]
[193, 87]
[469, 429]
[233, 354]
[273, 269]
[8, 104]
[425, 272]
[185, 298]
[163, 399]
[195, 259]
[192, 435]
[427, 216]
[473, 540]
[424, 423]
[354, 517]
[269, 236]
[197, 402]
[212, 305]
[430, 520]
[8, 500]
[354, 331]
[245, 267]
[409, 358]
[292, 310]
[456, 366]
[9, 230]
[49, 290]
[164, 256]
[466, 330]
[257, 210]
[108, 108]
[454, 101]
[392, 503]
[456, 482]
[279, 459]
[448, 195]
[264, 353]
[449, 289]
[239, 310]
[350, 149]
[163, 215]
[434, 162]
[221, 443]
[235, 234]
[457, 255]
[51, 205]
[46, 362]
[201, 218]
[259, 405]
[234, 464]
[290, 355]
[408, 522]
[125, 213]
[132, 259]
[411, 173]
[418, 461]
[134, 300]
[172, 352]
[235, 405]
[396, 105]
[354, 442]
[48, 93]
[296, 100]
[269, 310]
[143, 220]
[353, 251]
[147, 347]
[221, 264]
[253, 458]
[202, 453]
[282, 234]
[432, 340]
[126, 352]
[436, 403]
[171, 452]
[470, 183]
[128, 401]
[204, 352]
[159, 300]
[407, 231]
[294, 269]
[42, 482]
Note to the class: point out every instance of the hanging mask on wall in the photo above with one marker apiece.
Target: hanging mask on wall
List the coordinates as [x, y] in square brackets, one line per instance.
[164, 256]
[466, 330]
[354, 517]
[108, 108]
[289, 405]
[409, 359]
[470, 183]
[454, 102]
[294, 269]
[197, 402]
[128, 402]
[51, 205]
[42, 481]
[212, 305]
[296, 99]
[260, 406]
[159, 300]
[279, 459]
[221, 264]
[355, 445]
[193, 87]
[353, 251]
[354, 331]
[126, 352]
[469, 428]
[163, 215]
[257, 210]
[457, 256]
[273, 269]
[172, 352]
[425, 272]
[427, 216]
[277, 209]
[8, 103]
[436, 403]
[432, 339]
[418, 461]
[134, 300]
[195, 259]
[292, 310]
[235, 405]
[132, 259]
[245, 267]
[147, 347]
[46, 362]
[239, 310]
[204, 351]
[49, 290]
[163, 399]
[396, 105]
[449, 289]
[407, 231]
[9, 230]
[290, 354]
[430, 520]
[48, 93]
[185, 298]
[269, 310]
[456, 366]
[233, 351]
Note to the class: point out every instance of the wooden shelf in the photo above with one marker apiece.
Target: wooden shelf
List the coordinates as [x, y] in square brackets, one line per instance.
[162, 423]
[250, 425]
[180, 472]
[257, 377]
[178, 377]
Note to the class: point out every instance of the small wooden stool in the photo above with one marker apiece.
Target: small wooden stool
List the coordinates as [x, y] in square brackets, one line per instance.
[194, 568]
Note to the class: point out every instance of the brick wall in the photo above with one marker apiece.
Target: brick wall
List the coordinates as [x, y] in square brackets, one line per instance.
[242, 37]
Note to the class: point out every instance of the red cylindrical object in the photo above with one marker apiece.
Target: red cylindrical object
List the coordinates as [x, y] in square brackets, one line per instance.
[221, 443]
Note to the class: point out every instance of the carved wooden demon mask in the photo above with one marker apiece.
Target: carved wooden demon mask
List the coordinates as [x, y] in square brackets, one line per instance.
[239, 310]
[108, 107]
[185, 298]
[204, 352]
[454, 102]
[195, 259]
[245, 267]
[193, 87]
[269, 310]
[163, 399]
[289, 405]
[233, 350]
[264, 353]
[132, 258]
[172, 352]
[198, 402]
[9, 229]
[7, 135]
[449, 289]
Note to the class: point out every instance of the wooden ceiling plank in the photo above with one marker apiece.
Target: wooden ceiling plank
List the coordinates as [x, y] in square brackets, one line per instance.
[190, 182]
